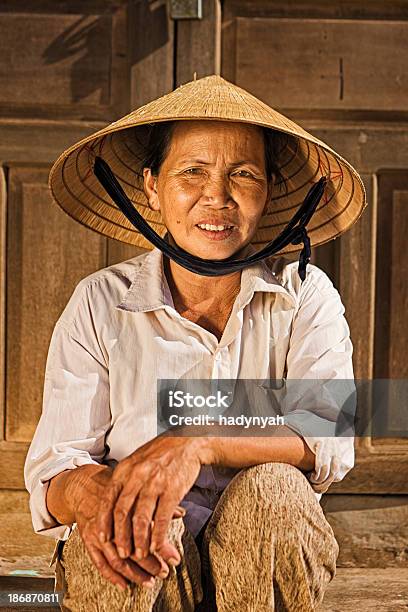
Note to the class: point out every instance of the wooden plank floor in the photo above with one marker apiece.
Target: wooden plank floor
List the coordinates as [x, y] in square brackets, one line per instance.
[352, 590]
[366, 590]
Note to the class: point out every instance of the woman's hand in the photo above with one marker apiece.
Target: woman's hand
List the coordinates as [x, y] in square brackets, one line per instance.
[145, 489]
[85, 496]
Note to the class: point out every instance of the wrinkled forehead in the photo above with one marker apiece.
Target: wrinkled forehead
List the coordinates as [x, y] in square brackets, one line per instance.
[228, 137]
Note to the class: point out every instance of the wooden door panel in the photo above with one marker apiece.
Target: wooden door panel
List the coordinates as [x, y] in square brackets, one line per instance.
[391, 332]
[398, 271]
[391, 265]
[339, 71]
[73, 62]
[47, 255]
[69, 76]
[314, 63]
[3, 228]
[75, 67]
[59, 95]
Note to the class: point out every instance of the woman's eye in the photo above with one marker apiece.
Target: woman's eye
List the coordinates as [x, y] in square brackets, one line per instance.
[192, 171]
[244, 173]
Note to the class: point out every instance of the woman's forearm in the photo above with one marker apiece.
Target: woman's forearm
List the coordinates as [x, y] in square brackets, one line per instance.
[247, 451]
[65, 491]
[283, 445]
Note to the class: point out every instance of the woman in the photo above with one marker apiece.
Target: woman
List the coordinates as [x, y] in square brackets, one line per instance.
[201, 518]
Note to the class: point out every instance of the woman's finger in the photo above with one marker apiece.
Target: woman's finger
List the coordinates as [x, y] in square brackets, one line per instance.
[127, 567]
[142, 520]
[162, 518]
[104, 519]
[123, 529]
[169, 551]
[179, 511]
[123, 513]
[154, 565]
[104, 568]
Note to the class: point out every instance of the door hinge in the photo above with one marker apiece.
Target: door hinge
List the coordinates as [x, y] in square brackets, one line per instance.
[186, 9]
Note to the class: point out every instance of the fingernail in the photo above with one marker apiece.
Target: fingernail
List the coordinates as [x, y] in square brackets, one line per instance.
[102, 537]
[173, 561]
[149, 583]
[122, 553]
[139, 553]
[163, 574]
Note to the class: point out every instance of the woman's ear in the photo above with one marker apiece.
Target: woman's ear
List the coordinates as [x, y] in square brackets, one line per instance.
[150, 189]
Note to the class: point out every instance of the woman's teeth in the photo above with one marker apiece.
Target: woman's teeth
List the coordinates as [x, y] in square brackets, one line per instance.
[215, 228]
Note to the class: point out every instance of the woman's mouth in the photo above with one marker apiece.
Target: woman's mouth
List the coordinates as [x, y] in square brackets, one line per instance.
[212, 232]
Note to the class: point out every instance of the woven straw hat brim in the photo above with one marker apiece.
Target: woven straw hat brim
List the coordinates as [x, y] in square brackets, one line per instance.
[303, 161]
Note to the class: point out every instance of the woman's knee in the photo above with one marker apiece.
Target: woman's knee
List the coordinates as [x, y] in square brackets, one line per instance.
[271, 485]
[270, 500]
[269, 516]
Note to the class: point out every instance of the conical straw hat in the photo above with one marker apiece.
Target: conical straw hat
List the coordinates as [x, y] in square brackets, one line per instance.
[302, 162]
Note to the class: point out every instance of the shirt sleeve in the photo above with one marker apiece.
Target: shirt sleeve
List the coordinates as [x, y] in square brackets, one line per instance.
[75, 413]
[320, 397]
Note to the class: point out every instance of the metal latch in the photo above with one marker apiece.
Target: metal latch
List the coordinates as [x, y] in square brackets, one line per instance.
[186, 9]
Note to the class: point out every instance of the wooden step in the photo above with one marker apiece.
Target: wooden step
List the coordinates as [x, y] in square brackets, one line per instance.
[352, 590]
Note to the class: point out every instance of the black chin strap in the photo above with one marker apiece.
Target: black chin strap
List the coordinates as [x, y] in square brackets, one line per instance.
[292, 234]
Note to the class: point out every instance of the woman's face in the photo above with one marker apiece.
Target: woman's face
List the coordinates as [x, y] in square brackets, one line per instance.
[213, 174]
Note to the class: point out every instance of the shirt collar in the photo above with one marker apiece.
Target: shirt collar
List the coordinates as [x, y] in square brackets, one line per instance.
[149, 289]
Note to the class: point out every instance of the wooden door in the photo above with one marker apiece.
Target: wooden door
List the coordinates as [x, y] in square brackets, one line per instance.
[340, 70]
[337, 69]
[66, 70]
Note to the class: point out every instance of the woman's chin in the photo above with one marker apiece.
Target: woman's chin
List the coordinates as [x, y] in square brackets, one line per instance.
[218, 250]
[214, 252]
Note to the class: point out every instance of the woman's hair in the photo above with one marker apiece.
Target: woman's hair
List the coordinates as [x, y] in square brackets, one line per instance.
[159, 139]
[157, 145]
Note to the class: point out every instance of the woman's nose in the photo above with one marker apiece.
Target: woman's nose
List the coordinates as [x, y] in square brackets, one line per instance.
[216, 191]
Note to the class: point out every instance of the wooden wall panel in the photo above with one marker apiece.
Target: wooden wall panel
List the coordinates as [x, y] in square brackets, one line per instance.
[313, 64]
[391, 305]
[318, 9]
[76, 67]
[151, 51]
[325, 257]
[391, 292]
[40, 141]
[73, 50]
[199, 44]
[12, 457]
[80, 53]
[370, 147]
[47, 254]
[3, 221]
[398, 299]
[357, 282]
[382, 471]
[339, 70]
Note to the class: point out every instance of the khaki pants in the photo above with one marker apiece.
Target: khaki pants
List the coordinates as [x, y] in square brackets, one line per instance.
[267, 546]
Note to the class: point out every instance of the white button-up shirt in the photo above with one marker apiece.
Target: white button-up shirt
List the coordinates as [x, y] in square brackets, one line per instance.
[120, 333]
